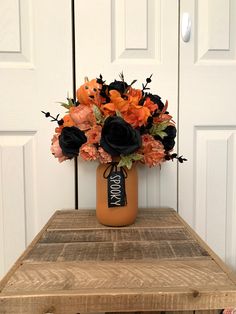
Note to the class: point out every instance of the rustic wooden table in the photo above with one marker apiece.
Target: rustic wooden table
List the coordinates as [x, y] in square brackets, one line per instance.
[76, 265]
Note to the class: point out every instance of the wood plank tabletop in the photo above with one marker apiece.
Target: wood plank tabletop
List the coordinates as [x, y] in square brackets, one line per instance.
[77, 265]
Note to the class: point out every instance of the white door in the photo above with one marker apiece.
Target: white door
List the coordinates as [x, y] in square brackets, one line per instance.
[138, 38]
[35, 72]
[207, 112]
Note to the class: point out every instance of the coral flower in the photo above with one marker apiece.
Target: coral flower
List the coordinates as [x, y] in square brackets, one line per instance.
[103, 156]
[88, 152]
[152, 150]
[56, 149]
[83, 116]
[58, 129]
[94, 134]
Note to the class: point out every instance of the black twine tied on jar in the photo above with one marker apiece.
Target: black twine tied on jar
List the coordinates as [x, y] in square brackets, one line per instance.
[115, 185]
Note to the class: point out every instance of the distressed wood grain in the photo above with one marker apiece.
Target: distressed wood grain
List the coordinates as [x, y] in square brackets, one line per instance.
[114, 235]
[158, 265]
[75, 302]
[95, 276]
[115, 251]
[147, 218]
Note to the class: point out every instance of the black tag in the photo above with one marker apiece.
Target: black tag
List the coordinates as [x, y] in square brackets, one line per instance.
[116, 189]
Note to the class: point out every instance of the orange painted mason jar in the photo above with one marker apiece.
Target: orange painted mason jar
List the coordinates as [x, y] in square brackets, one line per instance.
[120, 215]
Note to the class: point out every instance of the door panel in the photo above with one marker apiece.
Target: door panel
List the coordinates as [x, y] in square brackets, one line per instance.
[36, 71]
[138, 38]
[207, 182]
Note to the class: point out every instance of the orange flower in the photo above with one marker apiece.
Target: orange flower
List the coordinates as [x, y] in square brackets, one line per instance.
[58, 129]
[83, 116]
[134, 96]
[94, 134]
[152, 150]
[88, 152]
[68, 121]
[103, 156]
[117, 103]
[131, 112]
[150, 105]
[164, 116]
[108, 109]
[136, 115]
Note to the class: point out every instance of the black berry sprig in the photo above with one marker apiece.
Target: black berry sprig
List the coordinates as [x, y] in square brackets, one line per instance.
[100, 80]
[148, 80]
[134, 81]
[175, 156]
[121, 75]
[54, 119]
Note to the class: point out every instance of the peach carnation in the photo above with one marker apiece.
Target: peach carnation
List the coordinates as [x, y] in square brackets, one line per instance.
[153, 151]
[103, 156]
[83, 116]
[58, 129]
[88, 152]
[56, 149]
[94, 135]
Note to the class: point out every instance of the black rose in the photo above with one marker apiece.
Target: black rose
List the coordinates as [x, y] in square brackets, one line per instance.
[70, 141]
[120, 86]
[118, 137]
[169, 140]
[157, 100]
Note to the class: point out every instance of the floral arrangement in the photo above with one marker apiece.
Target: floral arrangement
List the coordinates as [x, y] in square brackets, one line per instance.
[115, 120]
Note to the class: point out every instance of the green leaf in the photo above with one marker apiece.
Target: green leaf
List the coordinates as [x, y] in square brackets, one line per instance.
[65, 105]
[98, 115]
[70, 102]
[127, 161]
[137, 157]
[158, 129]
[162, 134]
